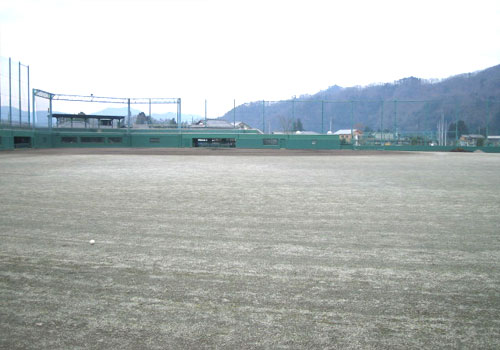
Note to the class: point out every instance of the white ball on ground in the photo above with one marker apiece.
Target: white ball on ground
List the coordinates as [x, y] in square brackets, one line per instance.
[91, 241]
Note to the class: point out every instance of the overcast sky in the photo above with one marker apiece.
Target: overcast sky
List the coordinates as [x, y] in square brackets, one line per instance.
[245, 50]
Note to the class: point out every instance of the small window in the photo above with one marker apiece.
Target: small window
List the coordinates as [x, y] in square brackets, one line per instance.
[270, 142]
[154, 140]
[22, 142]
[313, 142]
[0, 140]
[66, 139]
[86, 139]
[114, 140]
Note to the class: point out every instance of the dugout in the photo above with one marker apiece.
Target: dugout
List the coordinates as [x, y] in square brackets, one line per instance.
[225, 142]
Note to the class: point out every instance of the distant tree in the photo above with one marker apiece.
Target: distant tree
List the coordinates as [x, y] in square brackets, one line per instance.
[286, 123]
[417, 140]
[368, 129]
[297, 125]
[142, 118]
[462, 129]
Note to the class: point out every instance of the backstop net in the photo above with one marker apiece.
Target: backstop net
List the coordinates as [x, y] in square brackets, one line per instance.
[14, 94]
[52, 110]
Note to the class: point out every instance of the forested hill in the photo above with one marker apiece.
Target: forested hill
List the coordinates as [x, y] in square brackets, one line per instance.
[462, 97]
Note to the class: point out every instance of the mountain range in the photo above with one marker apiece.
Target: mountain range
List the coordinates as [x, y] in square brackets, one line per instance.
[410, 104]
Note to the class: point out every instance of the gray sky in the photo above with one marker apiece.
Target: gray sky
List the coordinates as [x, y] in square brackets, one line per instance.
[245, 50]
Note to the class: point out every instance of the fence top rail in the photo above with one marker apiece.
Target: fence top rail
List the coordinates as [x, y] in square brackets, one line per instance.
[342, 101]
[101, 99]
[86, 116]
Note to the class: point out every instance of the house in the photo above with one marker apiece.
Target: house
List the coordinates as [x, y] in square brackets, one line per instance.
[384, 136]
[345, 135]
[221, 124]
[241, 125]
[303, 132]
[471, 140]
[493, 140]
[213, 124]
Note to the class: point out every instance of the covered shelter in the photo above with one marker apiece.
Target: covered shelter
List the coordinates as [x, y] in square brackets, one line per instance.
[107, 121]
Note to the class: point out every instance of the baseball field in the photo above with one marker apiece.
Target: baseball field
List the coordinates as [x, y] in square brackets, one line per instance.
[241, 249]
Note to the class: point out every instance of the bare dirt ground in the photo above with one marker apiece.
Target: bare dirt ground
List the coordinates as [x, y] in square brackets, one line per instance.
[311, 250]
[201, 152]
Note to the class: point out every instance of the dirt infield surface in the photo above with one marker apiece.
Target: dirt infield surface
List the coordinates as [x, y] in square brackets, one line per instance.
[313, 250]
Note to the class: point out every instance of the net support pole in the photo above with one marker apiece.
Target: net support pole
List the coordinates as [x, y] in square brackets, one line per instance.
[10, 91]
[395, 127]
[352, 122]
[33, 119]
[322, 115]
[0, 97]
[179, 114]
[128, 114]
[19, 83]
[488, 118]
[263, 116]
[50, 111]
[29, 114]
[382, 123]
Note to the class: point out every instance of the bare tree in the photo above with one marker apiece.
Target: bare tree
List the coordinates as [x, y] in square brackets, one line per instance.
[286, 123]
